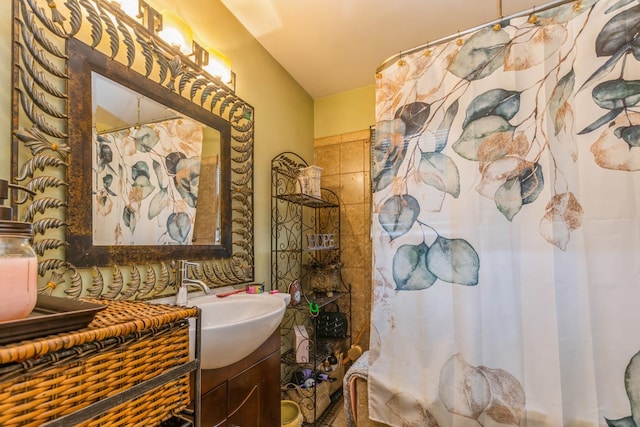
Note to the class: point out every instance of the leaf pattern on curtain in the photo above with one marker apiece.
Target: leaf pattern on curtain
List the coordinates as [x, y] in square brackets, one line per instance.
[410, 411]
[632, 386]
[504, 135]
[472, 392]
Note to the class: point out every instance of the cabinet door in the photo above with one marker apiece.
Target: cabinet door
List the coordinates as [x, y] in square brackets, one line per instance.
[214, 407]
[254, 395]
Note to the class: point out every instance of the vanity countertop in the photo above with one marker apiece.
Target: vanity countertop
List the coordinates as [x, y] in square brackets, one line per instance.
[119, 318]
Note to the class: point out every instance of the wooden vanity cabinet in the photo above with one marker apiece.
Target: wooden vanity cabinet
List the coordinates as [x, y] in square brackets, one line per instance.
[246, 393]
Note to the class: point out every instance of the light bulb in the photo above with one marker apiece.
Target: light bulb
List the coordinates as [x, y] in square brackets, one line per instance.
[130, 7]
[176, 32]
[219, 65]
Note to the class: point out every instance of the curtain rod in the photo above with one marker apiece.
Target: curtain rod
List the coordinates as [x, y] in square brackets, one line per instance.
[150, 122]
[399, 55]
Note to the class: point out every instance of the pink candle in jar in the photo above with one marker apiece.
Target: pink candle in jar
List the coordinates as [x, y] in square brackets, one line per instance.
[18, 287]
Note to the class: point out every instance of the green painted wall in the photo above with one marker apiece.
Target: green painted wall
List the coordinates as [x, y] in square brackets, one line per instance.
[6, 26]
[283, 110]
[344, 112]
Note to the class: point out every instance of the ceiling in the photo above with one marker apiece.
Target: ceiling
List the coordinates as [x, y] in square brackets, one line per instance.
[332, 46]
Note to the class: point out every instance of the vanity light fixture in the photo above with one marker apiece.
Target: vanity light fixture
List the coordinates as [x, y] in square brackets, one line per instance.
[142, 13]
[213, 62]
[152, 19]
[175, 31]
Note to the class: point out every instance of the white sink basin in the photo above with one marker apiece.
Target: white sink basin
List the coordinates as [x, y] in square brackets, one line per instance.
[236, 325]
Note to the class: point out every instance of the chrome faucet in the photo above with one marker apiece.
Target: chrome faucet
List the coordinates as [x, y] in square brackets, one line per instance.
[184, 281]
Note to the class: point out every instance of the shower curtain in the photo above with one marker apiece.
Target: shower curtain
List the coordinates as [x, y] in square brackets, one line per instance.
[506, 225]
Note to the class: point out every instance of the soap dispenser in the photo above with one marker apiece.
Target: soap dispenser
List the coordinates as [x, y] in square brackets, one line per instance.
[18, 262]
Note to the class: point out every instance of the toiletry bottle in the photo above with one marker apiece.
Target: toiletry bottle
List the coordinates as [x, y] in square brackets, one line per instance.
[295, 292]
[18, 263]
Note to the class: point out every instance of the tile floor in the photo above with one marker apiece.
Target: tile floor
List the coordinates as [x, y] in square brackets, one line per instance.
[339, 420]
[334, 416]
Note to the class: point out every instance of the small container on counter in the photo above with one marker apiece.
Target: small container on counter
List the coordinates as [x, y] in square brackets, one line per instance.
[18, 263]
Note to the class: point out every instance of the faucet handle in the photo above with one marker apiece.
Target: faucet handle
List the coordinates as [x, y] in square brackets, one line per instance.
[183, 265]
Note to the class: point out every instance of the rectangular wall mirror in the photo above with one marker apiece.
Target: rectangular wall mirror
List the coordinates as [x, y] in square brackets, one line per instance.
[138, 157]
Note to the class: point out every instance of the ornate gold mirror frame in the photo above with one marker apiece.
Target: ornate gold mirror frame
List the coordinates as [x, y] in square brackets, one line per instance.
[43, 147]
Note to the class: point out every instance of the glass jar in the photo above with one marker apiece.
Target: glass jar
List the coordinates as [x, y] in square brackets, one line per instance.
[18, 271]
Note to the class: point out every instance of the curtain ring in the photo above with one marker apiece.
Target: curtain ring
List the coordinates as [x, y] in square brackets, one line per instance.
[533, 18]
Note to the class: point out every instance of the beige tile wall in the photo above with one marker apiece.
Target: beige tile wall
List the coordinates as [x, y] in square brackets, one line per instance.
[345, 162]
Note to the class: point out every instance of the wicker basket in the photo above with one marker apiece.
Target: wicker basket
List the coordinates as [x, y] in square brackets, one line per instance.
[312, 401]
[127, 344]
[324, 279]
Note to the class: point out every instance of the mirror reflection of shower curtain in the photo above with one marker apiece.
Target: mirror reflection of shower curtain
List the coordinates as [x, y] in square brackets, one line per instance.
[145, 183]
[506, 225]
